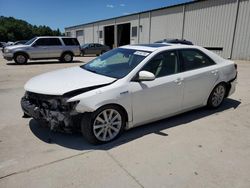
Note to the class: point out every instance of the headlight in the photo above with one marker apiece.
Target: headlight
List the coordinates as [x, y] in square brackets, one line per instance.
[6, 50]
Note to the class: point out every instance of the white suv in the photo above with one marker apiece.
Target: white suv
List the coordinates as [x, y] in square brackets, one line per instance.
[62, 48]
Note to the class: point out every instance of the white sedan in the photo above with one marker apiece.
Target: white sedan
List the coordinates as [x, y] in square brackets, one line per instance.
[127, 87]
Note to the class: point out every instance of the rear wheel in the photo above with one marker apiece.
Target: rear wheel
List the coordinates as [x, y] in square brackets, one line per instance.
[217, 96]
[67, 57]
[20, 58]
[104, 125]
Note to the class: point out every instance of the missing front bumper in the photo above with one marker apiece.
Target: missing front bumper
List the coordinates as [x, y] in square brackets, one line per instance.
[55, 119]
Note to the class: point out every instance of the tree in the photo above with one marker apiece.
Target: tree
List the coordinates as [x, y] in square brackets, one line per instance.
[12, 29]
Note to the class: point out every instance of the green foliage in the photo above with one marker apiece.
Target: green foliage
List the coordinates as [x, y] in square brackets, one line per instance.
[12, 29]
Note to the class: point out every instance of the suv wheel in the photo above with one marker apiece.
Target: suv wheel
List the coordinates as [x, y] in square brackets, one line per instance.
[67, 57]
[20, 58]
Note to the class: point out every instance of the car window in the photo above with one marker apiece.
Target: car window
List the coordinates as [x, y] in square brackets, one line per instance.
[91, 45]
[42, 42]
[98, 45]
[54, 42]
[163, 64]
[70, 41]
[194, 59]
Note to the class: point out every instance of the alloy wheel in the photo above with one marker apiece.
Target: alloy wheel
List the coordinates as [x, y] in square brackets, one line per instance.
[107, 125]
[218, 95]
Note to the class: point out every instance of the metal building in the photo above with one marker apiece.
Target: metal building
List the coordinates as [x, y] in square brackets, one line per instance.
[222, 26]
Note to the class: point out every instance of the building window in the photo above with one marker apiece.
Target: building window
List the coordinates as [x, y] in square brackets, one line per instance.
[100, 34]
[79, 33]
[134, 31]
[68, 34]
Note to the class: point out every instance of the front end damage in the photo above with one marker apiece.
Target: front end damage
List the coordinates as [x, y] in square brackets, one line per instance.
[53, 110]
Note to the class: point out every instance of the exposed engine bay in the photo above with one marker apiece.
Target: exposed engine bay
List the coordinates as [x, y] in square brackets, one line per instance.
[53, 110]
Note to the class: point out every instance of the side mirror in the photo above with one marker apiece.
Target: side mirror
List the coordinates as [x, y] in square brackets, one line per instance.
[34, 45]
[146, 76]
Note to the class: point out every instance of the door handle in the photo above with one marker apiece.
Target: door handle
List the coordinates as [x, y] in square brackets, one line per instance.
[178, 81]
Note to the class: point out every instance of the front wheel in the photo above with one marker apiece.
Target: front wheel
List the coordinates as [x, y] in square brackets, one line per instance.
[20, 58]
[217, 96]
[104, 125]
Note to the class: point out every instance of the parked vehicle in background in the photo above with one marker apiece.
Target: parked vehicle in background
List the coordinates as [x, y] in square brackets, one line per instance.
[20, 42]
[94, 48]
[46, 47]
[15, 43]
[9, 43]
[2, 44]
[175, 41]
[127, 87]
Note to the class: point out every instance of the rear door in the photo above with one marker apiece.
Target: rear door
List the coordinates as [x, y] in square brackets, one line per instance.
[91, 49]
[199, 76]
[99, 48]
[54, 48]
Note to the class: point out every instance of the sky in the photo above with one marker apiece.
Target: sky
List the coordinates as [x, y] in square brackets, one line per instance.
[64, 13]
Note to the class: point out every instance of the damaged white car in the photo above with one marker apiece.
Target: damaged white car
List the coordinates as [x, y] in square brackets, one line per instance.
[127, 87]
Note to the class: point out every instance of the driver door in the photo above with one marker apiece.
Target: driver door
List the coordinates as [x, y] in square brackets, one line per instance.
[156, 99]
[39, 49]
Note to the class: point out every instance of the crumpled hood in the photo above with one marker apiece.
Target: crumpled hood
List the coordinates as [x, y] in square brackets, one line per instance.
[65, 80]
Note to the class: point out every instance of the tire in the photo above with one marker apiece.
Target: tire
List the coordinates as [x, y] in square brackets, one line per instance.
[217, 96]
[99, 130]
[82, 53]
[20, 58]
[67, 57]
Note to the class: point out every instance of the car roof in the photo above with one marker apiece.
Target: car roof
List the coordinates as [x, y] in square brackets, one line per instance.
[54, 37]
[157, 46]
[168, 46]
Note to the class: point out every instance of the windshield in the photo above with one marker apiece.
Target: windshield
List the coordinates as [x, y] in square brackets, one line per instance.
[30, 41]
[116, 63]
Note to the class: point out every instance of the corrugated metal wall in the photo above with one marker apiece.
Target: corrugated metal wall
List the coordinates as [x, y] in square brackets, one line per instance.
[241, 47]
[144, 30]
[166, 23]
[211, 23]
